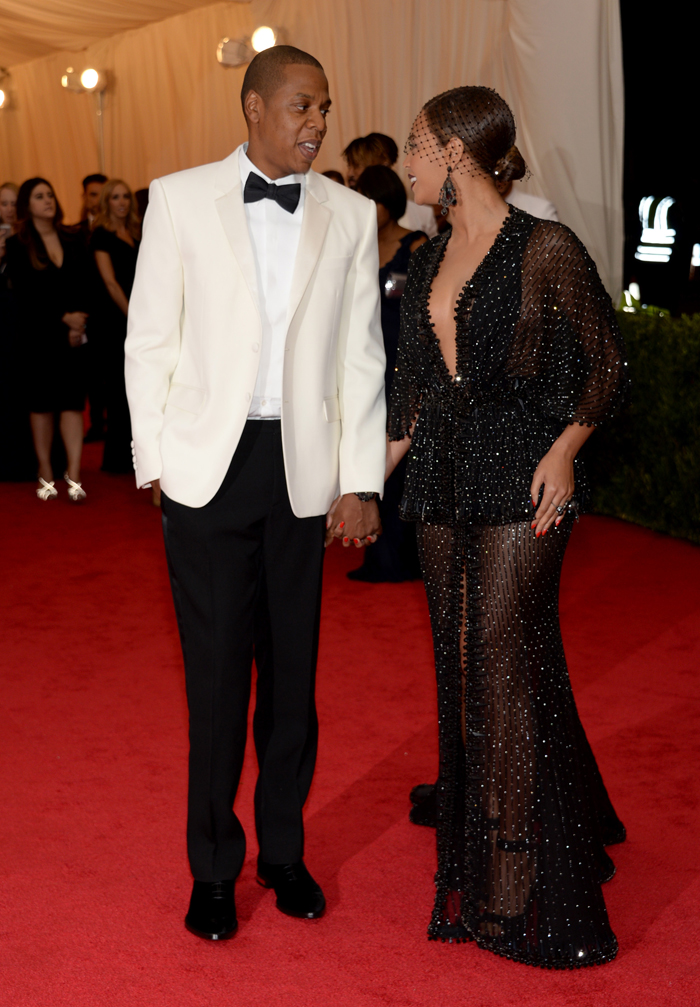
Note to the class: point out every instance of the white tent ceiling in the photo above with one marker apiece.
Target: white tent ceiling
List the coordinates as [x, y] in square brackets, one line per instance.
[33, 28]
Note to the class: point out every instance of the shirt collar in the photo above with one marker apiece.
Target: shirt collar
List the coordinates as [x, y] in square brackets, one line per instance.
[246, 166]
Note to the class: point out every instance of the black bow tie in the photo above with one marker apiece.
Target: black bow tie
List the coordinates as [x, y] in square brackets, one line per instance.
[286, 195]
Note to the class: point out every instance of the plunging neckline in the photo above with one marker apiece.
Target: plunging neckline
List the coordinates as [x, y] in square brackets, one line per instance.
[470, 289]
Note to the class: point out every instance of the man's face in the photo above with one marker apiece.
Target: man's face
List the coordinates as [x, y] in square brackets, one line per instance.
[91, 196]
[287, 128]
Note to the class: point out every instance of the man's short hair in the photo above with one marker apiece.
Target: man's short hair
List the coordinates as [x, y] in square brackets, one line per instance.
[89, 179]
[265, 73]
[371, 149]
[384, 186]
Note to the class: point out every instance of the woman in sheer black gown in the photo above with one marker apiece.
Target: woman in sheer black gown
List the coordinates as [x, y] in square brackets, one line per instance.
[115, 244]
[509, 356]
[394, 556]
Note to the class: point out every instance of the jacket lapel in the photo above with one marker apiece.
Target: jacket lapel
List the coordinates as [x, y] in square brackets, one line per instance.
[229, 205]
[314, 227]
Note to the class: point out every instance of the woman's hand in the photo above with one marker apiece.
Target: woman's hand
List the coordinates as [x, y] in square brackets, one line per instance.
[75, 319]
[556, 474]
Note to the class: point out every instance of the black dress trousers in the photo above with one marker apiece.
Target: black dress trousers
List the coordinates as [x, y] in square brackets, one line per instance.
[246, 580]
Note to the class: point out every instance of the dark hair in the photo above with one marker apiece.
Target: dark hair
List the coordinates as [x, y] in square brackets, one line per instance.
[384, 186]
[373, 148]
[483, 121]
[89, 179]
[26, 231]
[265, 73]
[335, 176]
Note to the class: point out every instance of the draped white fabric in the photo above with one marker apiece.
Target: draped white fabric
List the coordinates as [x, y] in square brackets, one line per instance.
[171, 105]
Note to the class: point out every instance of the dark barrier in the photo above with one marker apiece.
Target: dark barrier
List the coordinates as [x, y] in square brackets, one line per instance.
[644, 464]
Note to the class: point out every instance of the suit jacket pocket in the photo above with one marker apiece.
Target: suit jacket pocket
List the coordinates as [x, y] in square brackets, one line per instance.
[331, 409]
[184, 397]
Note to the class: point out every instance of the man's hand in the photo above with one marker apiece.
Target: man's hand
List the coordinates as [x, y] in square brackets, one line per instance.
[354, 522]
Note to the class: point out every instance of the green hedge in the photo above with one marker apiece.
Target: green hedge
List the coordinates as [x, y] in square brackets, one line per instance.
[645, 464]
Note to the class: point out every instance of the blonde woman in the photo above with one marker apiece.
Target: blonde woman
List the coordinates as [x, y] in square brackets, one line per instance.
[114, 243]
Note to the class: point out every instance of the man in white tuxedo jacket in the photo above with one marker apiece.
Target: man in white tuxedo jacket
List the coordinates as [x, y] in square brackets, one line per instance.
[255, 369]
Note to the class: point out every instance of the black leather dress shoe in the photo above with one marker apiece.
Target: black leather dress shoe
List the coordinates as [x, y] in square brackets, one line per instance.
[212, 914]
[297, 892]
[424, 810]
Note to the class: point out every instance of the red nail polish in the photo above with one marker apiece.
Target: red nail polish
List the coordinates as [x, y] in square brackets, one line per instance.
[342, 524]
[356, 541]
[346, 539]
[533, 525]
[538, 534]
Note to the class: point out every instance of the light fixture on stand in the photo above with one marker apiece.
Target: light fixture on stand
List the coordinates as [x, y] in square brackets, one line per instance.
[90, 81]
[239, 51]
[4, 92]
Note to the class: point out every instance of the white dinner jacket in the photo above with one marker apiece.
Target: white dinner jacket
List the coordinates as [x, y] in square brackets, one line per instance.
[194, 334]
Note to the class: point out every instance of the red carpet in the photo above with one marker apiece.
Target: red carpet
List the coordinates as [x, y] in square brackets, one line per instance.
[95, 880]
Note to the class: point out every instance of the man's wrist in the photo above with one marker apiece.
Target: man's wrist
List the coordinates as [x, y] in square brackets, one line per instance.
[366, 497]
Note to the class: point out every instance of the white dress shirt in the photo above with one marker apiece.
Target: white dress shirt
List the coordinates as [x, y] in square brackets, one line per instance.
[419, 218]
[536, 205]
[274, 235]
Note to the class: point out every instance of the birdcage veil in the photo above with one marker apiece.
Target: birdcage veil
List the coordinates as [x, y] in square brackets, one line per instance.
[482, 120]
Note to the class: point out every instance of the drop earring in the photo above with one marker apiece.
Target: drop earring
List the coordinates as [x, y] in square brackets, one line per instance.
[448, 193]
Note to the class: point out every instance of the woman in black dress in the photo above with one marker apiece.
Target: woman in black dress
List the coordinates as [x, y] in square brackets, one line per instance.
[46, 266]
[509, 357]
[115, 244]
[394, 556]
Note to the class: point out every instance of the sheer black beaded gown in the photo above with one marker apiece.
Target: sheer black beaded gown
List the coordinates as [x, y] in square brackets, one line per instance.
[523, 816]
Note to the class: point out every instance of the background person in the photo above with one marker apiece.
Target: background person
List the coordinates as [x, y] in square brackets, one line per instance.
[115, 243]
[394, 556]
[94, 363]
[8, 216]
[47, 267]
[378, 148]
[509, 356]
[334, 176]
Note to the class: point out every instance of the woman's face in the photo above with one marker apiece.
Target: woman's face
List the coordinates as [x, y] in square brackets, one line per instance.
[8, 207]
[119, 202]
[425, 162]
[42, 202]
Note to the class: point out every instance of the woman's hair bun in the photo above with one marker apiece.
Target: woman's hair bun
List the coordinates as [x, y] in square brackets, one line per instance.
[511, 166]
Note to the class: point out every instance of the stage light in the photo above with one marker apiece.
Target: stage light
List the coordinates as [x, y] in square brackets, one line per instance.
[263, 38]
[234, 52]
[89, 79]
[657, 237]
[71, 81]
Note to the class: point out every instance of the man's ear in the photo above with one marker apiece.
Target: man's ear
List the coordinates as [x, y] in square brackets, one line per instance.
[253, 106]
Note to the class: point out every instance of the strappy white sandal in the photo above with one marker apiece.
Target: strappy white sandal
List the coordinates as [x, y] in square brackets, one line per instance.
[46, 491]
[75, 490]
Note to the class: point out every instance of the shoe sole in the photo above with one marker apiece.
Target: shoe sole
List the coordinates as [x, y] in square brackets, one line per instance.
[209, 936]
[297, 916]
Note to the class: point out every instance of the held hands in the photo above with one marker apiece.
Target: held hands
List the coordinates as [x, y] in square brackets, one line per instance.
[353, 521]
[556, 474]
[75, 320]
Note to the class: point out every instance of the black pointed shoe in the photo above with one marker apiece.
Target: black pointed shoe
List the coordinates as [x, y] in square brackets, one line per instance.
[297, 892]
[212, 914]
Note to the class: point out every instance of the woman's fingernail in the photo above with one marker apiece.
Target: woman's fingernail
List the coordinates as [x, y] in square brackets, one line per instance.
[545, 531]
[537, 535]
[342, 524]
[534, 524]
[346, 539]
[356, 541]
[557, 522]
